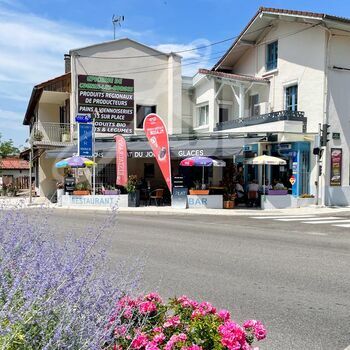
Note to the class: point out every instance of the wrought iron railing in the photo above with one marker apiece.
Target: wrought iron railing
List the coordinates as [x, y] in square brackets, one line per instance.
[45, 132]
[262, 119]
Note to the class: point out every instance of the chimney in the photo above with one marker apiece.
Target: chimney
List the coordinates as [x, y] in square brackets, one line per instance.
[67, 63]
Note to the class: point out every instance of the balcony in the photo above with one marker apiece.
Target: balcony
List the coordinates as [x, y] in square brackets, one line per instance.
[262, 119]
[52, 134]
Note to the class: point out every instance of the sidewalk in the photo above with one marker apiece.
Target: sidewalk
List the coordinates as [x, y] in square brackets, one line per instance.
[23, 203]
[153, 210]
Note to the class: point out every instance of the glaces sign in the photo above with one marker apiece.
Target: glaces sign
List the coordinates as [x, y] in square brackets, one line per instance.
[109, 100]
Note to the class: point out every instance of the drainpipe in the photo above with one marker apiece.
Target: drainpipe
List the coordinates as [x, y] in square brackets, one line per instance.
[325, 118]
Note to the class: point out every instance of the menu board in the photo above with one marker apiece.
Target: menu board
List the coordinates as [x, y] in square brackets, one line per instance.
[109, 100]
[336, 165]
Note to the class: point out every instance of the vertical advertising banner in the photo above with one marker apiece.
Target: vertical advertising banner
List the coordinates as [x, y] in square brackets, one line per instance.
[121, 161]
[157, 136]
[336, 165]
[85, 140]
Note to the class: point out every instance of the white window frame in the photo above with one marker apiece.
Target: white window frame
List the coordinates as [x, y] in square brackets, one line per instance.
[198, 107]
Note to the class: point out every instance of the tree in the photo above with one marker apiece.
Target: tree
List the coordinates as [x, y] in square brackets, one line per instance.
[7, 148]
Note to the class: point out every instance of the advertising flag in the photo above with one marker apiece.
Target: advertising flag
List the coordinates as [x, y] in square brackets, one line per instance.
[121, 160]
[157, 136]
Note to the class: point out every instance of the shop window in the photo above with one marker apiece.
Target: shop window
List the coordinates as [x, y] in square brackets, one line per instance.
[271, 56]
[148, 170]
[292, 98]
[224, 113]
[203, 115]
[142, 112]
[254, 105]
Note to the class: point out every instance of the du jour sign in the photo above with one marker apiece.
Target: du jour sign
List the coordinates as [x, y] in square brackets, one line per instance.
[178, 153]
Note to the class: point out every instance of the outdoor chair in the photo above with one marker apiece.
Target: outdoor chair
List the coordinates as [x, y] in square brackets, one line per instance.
[158, 196]
[253, 198]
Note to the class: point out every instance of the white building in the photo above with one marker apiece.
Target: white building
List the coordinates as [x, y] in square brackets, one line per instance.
[285, 74]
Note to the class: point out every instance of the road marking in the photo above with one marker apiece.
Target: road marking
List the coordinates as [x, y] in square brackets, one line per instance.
[283, 217]
[326, 222]
[315, 233]
[343, 225]
[311, 219]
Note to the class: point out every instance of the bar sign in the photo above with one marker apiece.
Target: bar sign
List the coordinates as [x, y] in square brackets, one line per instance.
[85, 139]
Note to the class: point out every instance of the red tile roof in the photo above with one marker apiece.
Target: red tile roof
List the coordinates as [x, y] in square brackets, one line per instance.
[241, 77]
[14, 163]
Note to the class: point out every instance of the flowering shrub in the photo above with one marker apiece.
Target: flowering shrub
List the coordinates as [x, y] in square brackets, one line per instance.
[147, 323]
[56, 293]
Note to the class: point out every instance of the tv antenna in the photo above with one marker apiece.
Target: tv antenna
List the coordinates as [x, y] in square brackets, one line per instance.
[117, 20]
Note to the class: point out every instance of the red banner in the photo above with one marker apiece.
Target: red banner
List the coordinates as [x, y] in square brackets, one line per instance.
[158, 139]
[121, 160]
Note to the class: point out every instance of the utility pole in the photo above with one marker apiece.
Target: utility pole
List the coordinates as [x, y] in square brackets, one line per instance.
[318, 163]
[117, 20]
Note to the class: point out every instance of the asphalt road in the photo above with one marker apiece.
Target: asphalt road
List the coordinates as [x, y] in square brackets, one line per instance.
[294, 277]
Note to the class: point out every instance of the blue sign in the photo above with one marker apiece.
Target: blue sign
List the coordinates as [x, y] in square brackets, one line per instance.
[85, 140]
[83, 118]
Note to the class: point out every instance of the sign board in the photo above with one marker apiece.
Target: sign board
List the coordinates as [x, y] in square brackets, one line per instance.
[336, 167]
[210, 201]
[69, 184]
[110, 100]
[179, 198]
[336, 135]
[292, 180]
[85, 138]
[83, 118]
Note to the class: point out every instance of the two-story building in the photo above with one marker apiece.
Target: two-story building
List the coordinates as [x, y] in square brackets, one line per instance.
[283, 76]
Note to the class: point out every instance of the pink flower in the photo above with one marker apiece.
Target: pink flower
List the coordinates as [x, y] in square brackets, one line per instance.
[153, 297]
[120, 331]
[140, 341]
[147, 307]
[152, 346]
[176, 338]
[186, 302]
[172, 322]
[224, 315]
[159, 338]
[232, 335]
[257, 327]
[157, 329]
[128, 313]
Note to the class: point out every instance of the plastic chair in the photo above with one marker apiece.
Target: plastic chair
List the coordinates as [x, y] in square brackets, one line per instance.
[157, 195]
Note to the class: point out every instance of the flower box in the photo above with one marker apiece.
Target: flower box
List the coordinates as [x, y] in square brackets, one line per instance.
[277, 192]
[81, 192]
[111, 192]
[199, 192]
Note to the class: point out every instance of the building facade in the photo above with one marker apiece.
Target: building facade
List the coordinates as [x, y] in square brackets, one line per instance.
[284, 76]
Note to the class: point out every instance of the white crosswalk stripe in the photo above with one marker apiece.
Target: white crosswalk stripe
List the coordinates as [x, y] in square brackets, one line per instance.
[336, 221]
[309, 219]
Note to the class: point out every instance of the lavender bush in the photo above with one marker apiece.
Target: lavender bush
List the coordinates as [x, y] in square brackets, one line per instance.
[57, 293]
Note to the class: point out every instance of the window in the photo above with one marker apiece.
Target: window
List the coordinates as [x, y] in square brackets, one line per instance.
[142, 112]
[224, 113]
[292, 98]
[254, 105]
[271, 56]
[203, 115]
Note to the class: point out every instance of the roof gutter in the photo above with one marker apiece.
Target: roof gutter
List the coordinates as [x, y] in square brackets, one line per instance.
[34, 98]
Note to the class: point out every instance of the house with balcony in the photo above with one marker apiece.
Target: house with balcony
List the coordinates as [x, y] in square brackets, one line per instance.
[284, 75]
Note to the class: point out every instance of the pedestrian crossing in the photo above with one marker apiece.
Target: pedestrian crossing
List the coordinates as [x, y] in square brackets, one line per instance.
[336, 221]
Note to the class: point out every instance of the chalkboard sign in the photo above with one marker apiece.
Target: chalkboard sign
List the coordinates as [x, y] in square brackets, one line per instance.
[178, 181]
[69, 184]
[179, 198]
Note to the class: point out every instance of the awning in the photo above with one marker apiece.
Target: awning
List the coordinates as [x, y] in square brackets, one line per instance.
[211, 147]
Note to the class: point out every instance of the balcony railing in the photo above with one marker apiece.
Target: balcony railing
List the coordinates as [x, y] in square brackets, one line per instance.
[52, 133]
[262, 119]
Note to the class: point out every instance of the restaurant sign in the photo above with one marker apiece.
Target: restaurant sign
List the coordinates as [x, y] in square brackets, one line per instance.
[109, 100]
[336, 165]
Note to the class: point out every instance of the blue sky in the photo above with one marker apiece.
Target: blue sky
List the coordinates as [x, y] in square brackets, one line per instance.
[35, 34]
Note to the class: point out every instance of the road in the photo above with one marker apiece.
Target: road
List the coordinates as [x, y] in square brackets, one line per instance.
[293, 276]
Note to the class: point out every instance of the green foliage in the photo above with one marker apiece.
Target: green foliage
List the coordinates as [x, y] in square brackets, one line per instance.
[7, 148]
[132, 183]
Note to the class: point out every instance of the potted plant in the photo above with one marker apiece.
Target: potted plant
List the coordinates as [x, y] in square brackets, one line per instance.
[133, 193]
[38, 135]
[111, 191]
[65, 136]
[198, 189]
[229, 200]
[82, 189]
